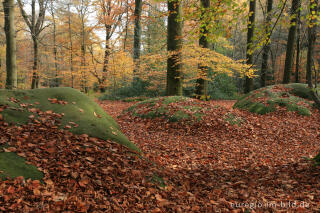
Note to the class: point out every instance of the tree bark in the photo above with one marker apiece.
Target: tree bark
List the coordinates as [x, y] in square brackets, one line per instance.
[251, 25]
[291, 41]
[311, 42]
[71, 46]
[174, 47]
[55, 49]
[11, 81]
[267, 47]
[126, 27]
[297, 74]
[202, 82]
[35, 74]
[137, 34]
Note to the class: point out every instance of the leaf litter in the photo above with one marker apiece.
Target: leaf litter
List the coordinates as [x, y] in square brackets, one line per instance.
[210, 166]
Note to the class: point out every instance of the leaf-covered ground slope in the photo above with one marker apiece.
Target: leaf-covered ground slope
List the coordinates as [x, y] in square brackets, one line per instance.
[208, 166]
[293, 97]
[81, 115]
[214, 165]
[171, 108]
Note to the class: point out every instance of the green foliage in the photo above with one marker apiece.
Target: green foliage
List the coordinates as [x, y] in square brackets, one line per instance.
[267, 99]
[80, 109]
[222, 88]
[137, 89]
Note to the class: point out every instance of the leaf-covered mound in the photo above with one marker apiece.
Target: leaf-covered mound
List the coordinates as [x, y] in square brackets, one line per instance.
[81, 115]
[171, 108]
[294, 97]
[80, 173]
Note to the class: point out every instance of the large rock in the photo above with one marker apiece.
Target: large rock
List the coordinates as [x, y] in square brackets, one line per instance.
[81, 114]
[294, 97]
[171, 108]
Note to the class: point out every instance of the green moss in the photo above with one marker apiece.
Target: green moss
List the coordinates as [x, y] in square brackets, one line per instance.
[266, 99]
[233, 119]
[161, 108]
[300, 90]
[89, 116]
[12, 165]
[179, 115]
[317, 159]
[134, 99]
[157, 180]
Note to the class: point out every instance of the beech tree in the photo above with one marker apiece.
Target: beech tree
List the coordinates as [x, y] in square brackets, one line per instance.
[137, 33]
[202, 82]
[35, 23]
[295, 6]
[312, 36]
[250, 34]
[174, 47]
[110, 16]
[266, 48]
[11, 66]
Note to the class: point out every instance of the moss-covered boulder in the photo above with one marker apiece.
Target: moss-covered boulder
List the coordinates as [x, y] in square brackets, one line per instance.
[171, 108]
[294, 97]
[80, 114]
[12, 165]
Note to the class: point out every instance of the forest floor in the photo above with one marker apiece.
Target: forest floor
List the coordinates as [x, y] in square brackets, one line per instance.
[259, 166]
[231, 161]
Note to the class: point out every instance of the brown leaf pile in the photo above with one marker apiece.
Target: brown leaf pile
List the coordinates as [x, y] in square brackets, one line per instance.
[215, 166]
[211, 166]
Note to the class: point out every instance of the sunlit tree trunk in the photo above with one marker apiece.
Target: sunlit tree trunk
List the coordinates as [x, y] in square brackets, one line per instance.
[174, 43]
[202, 82]
[71, 46]
[291, 41]
[266, 49]
[11, 81]
[251, 25]
[35, 74]
[126, 27]
[55, 51]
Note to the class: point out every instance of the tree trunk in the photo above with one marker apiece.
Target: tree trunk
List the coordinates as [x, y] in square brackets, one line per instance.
[291, 41]
[106, 59]
[267, 47]
[297, 74]
[174, 43]
[55, 51]
[126, 27]
[35, 24]
[202, 82]
[71, 46]
[84, 85]
[251, 25]
[137, 34]
[311, 41]
[35, 74]
[11, 81]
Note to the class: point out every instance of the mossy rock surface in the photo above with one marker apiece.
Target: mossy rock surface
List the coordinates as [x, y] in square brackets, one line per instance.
[86, 115]
[171, 108]
[12, 165]
[294, 97]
